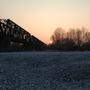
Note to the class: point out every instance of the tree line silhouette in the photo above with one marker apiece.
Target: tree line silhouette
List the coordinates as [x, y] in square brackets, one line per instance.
[15, 38]
[74, 39]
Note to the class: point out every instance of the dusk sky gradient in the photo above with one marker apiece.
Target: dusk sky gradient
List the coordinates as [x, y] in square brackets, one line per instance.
[42, 17]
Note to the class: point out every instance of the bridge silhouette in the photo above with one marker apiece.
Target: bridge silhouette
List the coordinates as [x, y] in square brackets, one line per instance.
[13, 37]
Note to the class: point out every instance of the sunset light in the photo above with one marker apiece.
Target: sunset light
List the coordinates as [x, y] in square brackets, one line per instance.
[44, 44]
[42, 17]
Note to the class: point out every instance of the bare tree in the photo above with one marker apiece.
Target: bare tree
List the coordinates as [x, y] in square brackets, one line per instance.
[58, 35]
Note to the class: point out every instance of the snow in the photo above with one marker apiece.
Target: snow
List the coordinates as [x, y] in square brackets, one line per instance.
[45, 71]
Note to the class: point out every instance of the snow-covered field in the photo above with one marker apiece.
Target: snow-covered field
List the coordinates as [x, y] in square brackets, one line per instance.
[45, 71]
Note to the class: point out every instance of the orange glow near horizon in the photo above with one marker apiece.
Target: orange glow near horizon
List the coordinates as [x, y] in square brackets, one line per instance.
[42, 17]
[43, 26]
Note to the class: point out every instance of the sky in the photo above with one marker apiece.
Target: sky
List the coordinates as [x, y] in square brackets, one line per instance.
[42, 17]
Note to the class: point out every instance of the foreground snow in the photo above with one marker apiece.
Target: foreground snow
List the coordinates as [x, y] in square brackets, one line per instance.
[45, 71]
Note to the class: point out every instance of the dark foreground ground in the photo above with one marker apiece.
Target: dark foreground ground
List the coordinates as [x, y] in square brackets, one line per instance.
[45, 71]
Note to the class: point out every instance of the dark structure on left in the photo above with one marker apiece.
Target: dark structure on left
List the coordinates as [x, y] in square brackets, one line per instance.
[15, 38]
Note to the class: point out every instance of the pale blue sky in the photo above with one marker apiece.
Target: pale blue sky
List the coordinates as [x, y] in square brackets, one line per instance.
[42, 17]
